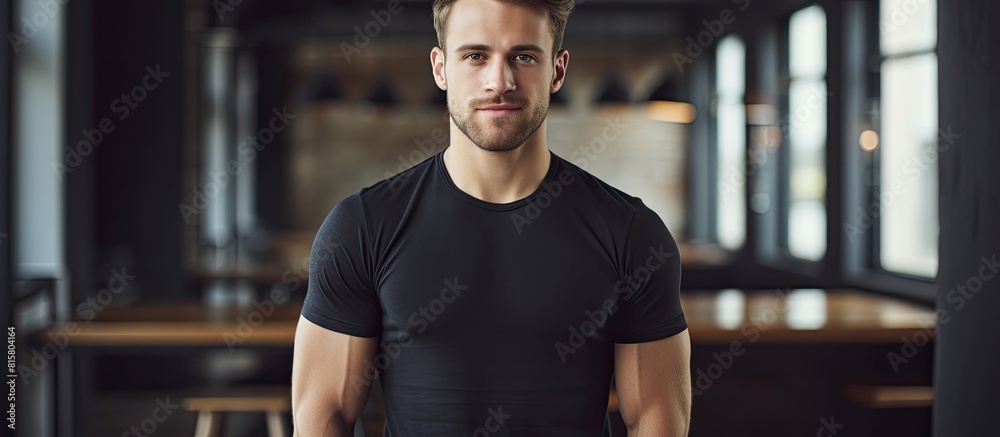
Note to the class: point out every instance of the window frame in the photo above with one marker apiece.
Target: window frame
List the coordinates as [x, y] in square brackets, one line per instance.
[876, 245]
[852, 39]
[785, 149]
[772, 228]
[862, 266]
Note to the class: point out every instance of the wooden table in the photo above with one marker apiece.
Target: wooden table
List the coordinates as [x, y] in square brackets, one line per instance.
[715, 317]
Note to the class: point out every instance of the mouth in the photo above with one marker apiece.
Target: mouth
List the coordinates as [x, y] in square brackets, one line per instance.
[500, 110]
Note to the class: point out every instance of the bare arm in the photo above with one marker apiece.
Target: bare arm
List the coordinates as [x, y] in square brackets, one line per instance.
[329, 382]
[653, 382]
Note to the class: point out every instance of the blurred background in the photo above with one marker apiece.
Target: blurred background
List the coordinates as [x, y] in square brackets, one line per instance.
[826, 166]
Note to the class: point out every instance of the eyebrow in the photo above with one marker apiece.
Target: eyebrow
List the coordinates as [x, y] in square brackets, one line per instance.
[486, 48]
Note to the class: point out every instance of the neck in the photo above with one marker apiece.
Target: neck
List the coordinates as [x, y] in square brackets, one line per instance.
[497, 177]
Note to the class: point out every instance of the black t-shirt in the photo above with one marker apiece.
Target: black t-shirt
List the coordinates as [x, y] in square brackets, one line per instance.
[494, 319]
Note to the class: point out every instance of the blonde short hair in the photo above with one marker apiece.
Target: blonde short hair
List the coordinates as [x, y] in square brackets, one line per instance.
[558, 16]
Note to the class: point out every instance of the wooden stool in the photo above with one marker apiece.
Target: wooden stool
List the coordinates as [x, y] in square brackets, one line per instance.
[870, 398]
[867, 396]
[272, 402]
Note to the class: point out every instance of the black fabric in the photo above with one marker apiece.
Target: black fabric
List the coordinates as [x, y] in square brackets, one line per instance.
[495, 319]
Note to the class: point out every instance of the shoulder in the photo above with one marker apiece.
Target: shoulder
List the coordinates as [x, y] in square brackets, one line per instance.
[598, 192]
[640, 225]
[380, 198]
[402, 185]
[364, 208]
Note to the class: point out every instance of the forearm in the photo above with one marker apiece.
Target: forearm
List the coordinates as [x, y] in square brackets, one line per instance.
[322, 425]
[669, 417]
[657, 425]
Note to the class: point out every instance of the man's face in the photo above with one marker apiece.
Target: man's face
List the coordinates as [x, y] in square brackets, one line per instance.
[499, 71]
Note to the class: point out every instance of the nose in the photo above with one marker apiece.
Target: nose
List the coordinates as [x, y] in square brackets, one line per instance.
[498, 77]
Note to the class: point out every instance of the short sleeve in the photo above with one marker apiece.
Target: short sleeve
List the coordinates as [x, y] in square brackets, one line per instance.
[649, 306]
[341, 294]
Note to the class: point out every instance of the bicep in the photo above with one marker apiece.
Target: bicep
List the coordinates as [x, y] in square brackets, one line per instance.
[653, 382]
[331, 378]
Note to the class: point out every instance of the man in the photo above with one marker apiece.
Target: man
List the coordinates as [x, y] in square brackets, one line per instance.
[494, 288]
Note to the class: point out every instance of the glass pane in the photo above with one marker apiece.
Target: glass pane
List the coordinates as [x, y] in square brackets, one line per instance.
[805, 128]
[731, 137]
[807, 172]
[807, 43]
[908, 168]
[38, 145]
[806, 229]
[907, 25]
[730, 69]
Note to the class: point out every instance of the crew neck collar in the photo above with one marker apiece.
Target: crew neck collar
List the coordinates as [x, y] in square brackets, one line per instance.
[550, 176]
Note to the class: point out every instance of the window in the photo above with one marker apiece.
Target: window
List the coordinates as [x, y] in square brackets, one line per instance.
[906, 151]
[38, 143]
[805, 129]
[730, 115]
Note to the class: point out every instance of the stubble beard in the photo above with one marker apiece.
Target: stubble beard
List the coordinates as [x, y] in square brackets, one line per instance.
[506, 133]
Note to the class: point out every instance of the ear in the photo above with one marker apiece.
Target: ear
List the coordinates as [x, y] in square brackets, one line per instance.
[559, 75]
[437, 68]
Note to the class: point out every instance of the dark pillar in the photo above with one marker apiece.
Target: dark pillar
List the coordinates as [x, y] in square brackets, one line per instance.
[79, 116]
[272, 163]
[139, 167]
[968, 337]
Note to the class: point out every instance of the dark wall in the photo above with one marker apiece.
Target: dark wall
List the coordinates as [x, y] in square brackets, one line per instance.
[273, 68]
[968, 334]
[137, 168]
[81, 216]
